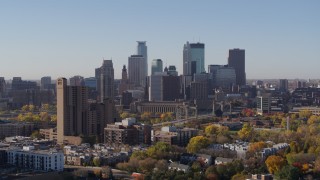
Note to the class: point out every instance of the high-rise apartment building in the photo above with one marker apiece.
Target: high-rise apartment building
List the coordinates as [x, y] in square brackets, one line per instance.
[236, 60]
[156, 66]
[71, 109]
[142, 50]
[193, 58]
[137, 77]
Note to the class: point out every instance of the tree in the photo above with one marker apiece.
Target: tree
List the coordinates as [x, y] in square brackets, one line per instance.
[246, 133]
[257, 146]
[305, 114]
[238, 176]
[106, 172]
[53, 118]
[35, 134]
[96, 161]
[317, 165]
[147, 165]
[275, 163]
[289, 172]
[211, 130]
[25, 108]
[159, 150]
[162, 165]
[197, 143]
[145, 116]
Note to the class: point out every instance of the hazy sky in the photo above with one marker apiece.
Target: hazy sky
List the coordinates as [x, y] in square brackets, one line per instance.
[64, 38]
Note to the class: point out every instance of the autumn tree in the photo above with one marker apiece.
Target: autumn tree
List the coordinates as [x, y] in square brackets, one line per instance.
[305, 114]
[246, 133]
[257, 146]
[275, 163]
[211, 130]
[197, 143]
[96, 161]
[145, 116]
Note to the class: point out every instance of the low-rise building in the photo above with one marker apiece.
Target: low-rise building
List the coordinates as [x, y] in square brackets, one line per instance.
[127, 132]
[30, 158]
[178, 167]
[221, 160]
[175, 136]
[49, 134]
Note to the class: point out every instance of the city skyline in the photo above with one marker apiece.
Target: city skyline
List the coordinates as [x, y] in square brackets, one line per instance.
[64, 39]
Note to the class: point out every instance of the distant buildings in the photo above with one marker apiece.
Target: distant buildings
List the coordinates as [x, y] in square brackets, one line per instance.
[15, 129]
[142, 50]
[283, 86]
[156, 66]
[77, 81]
[124, 84]
[106, 80]
[127, 132]
[76, 116]
[175, 136]
[193, 58]
[263, 104]
[45, 83]
[136, 71]
[38, 160]
[236, 60]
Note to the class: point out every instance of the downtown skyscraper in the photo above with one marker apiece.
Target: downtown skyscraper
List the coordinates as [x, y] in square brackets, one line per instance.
[236, 60]
[105, 80]
[136, 73]
[193, 58]
[142, 50]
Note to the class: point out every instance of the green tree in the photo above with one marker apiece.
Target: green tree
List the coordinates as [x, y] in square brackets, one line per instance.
[159, 150]
[289, 172]
[275, 163]
[96, 161]
[197, 143]
[36, 134]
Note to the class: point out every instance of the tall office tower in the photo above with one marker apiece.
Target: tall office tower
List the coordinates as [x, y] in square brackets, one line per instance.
[237, 61]
[193, 58]
[136, 70]
[142, 50]
[172, 71]
[71, 109]
[3, 87]
[123, 86]
[91, 82]
[164, 87]
[106, 80]
[76, 81]
[225, 77]
[45, 83]
[156, 66]
[283, 86]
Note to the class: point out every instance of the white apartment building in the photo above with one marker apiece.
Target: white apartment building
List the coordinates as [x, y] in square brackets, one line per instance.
[41, 160]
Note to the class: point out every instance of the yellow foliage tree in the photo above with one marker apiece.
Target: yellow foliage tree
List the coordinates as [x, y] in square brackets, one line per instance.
[246, 132]
[197, 143]
[257, 146]
[275, 163]
[211, 130]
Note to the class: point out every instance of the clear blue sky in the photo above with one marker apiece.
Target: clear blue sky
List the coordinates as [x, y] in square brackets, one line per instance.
[64, 38]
